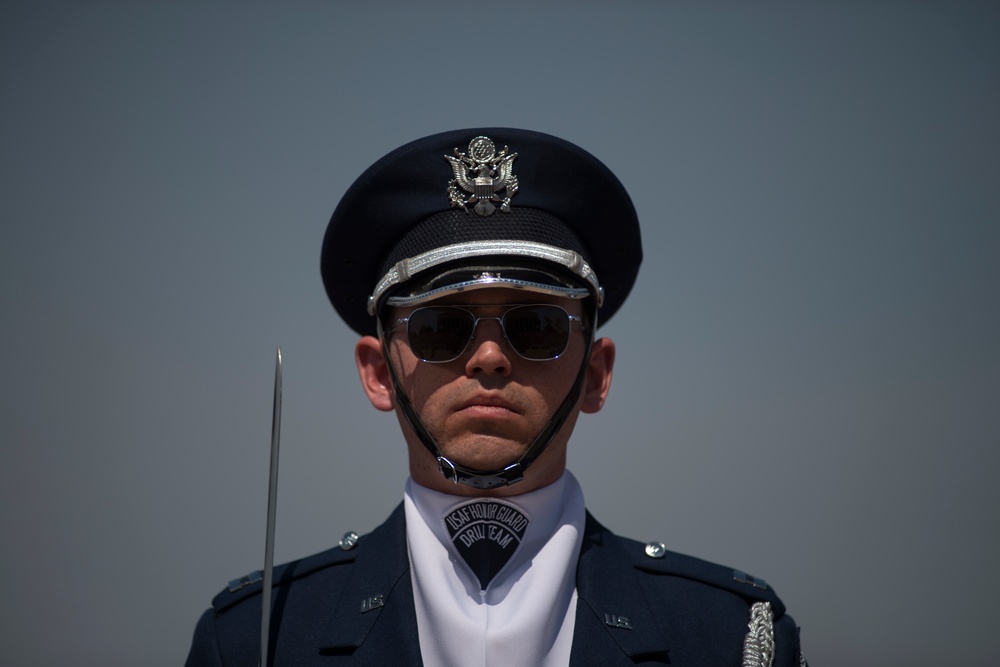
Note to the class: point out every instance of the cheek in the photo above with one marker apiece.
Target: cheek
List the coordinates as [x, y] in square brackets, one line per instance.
[551, 389]
[426, 385]
[423, 383]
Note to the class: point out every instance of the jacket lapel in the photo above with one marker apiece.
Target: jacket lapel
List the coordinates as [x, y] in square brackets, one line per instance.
[374, 618]
[614, 623]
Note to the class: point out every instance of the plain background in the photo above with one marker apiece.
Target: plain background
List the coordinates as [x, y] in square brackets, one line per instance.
[808, 378]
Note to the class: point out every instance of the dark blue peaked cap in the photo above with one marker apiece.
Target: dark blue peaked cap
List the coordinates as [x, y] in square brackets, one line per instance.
[400, 208]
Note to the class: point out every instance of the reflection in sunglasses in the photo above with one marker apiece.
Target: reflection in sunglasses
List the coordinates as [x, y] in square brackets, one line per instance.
[439, 334]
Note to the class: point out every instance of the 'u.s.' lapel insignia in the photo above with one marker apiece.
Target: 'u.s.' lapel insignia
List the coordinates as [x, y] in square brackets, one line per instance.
[482, 173]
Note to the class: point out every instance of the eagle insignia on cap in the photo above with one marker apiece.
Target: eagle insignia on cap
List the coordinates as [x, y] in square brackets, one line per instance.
[482, 173]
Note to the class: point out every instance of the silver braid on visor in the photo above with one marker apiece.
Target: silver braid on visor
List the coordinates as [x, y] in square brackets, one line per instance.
[493, 252]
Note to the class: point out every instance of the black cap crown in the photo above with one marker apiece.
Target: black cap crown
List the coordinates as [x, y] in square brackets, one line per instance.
[480, 196]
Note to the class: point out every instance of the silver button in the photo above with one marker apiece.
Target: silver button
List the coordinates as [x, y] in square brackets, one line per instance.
[349, 541]
[656, 550]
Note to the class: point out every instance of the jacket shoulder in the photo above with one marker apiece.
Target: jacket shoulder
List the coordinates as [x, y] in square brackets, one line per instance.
[653, 559]
[313, 602]
[251, 585]
[671, 604]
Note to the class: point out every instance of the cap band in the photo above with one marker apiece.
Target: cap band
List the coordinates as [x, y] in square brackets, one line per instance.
[569, 260]
[487, 281]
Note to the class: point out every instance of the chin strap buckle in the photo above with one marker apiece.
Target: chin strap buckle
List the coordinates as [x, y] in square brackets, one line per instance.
[480, 479]
[447, 469]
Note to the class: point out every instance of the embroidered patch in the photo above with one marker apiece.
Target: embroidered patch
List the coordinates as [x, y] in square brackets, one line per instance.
[486, 534]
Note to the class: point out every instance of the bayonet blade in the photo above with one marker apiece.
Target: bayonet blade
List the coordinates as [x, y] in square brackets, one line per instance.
[272, 502]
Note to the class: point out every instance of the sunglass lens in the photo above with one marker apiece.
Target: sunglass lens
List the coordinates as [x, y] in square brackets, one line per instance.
[439, 333]
[537, 332]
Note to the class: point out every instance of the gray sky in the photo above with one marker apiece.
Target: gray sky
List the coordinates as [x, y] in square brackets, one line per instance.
[808, 373]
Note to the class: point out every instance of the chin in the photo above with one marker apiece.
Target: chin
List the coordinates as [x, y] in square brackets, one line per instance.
[486, 455]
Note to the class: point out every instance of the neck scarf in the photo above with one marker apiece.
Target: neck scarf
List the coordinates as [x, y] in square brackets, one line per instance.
[494, 579]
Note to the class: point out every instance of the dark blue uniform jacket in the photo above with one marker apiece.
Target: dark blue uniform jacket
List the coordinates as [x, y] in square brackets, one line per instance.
[356, 606]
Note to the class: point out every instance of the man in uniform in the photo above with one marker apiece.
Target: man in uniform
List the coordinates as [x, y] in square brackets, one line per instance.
[476, 265]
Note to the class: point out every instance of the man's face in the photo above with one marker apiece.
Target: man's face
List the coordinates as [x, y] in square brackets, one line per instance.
[485, 407]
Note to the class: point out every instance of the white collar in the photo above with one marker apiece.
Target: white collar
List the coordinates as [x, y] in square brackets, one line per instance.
[527, 613]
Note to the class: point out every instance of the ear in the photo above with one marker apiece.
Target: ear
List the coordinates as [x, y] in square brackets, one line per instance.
[598, 383]
[374, 373]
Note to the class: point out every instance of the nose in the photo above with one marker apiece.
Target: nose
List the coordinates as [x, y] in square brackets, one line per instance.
[489, 350]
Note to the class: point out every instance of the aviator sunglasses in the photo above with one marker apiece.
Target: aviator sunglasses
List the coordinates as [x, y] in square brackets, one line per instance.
[438, 334]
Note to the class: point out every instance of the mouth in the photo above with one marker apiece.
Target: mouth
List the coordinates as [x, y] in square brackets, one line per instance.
[488, 406]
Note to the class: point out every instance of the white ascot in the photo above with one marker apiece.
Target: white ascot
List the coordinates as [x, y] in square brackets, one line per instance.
[527, 612]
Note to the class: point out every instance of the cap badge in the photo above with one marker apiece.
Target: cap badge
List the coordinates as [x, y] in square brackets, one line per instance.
[482, 173]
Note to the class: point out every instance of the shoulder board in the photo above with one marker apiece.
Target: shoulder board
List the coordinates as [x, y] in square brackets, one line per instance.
[654, 558]
[252, 584]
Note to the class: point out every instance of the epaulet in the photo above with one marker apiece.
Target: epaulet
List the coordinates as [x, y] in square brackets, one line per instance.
[251, 584]
[654, 558]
